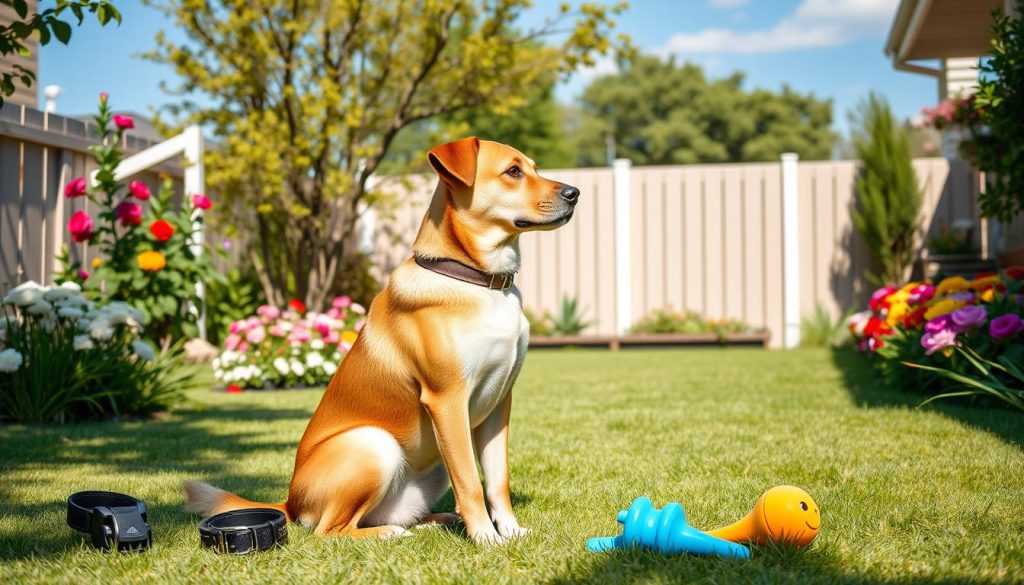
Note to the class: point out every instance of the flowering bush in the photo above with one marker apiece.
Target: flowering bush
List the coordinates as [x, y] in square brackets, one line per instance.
[291, 347]
[955, 111]
[150, 255]
[64, 357]
[922, 324]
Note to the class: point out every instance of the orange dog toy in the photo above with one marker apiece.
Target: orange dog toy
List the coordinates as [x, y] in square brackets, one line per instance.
[784, 514]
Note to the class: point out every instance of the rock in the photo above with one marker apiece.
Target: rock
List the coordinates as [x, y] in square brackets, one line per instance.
[199, 351]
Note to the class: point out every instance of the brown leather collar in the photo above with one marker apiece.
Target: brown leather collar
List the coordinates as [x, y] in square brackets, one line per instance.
[459, 271]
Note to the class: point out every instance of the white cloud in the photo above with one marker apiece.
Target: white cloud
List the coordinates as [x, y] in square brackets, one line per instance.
[727, 3]
[815, 23]
[603, 65]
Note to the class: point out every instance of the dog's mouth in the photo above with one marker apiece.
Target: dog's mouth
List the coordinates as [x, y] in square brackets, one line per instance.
[527, 224]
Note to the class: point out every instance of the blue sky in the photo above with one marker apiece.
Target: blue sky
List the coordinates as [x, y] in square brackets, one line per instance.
[832, 48]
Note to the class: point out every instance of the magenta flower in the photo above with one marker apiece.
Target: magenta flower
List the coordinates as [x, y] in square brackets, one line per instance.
[83, 274]
[80, 225]
[921, 293]
[201, 201]
[123, 122]
[1005, 326]
[332, 338]
[940, 323]
[75, 188]
[933, 342]
[129, 213]
[237, 327]
[139, 190]
[968, 317]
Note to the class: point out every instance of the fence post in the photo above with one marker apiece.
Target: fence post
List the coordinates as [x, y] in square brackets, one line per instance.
[790, 251]
[623, 270]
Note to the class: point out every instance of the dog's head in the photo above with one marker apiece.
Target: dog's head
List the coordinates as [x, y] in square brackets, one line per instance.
[495, 185]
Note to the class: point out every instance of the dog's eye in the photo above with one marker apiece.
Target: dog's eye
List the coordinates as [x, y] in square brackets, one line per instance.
[514, 171]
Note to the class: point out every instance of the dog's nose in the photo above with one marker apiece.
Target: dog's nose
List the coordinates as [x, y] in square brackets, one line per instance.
[569, 193]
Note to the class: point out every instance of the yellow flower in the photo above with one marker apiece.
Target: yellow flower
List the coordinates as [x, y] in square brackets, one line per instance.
[152, 260]
[96, 262]
[953, 284]
[349, 337]
[897, 310]
[943, 307]
[985, 282]
[988, 296]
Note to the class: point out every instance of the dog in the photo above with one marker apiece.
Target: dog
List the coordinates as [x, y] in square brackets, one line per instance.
[429, 379]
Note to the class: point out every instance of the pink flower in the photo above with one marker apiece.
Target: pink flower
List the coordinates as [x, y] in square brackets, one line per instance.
[334, 313]
[322, 327]
[359, 325]
[123, 122]
[256, 335]
[129, 213]
[940, 323]
[301, 335]
[968, 317]
[233, 341]
[341, 302]
[1005, 326]
[237, 327]
[80, 226]
[75, 188]
[358, 309]
[268, 312]
[201, 201]
[139, 190]
[276, 330]
[934, 342]
[921, 293]
[333, 338]
[83, 274]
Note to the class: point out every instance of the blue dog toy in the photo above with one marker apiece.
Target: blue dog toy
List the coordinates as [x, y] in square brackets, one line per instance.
[664, 531]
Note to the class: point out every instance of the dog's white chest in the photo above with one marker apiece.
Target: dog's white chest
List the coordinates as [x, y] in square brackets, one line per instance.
[491, 351]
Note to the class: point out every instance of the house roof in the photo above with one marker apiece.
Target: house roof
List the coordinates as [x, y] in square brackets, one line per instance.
[941, 29]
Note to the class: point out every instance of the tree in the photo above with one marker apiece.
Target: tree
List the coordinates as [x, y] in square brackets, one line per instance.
[659, 112]
[48, 24]
[888, 203]
[309, 95]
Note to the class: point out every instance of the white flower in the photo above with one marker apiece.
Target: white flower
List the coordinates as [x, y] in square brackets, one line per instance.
[314, 359]
[65, 290]
[10, 360]
[101, 329]
[40, 307]
[317, 344]
[143, 350]
[70, 312]
[73, 301]
[218, 374]
[298, 369]
[215, 363]
[281, 364]
[83, 342]
[329, 368]
[285, 326]
[49, 323]
[24, 294]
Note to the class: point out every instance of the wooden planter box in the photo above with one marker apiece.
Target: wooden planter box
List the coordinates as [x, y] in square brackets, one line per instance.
[615, 342]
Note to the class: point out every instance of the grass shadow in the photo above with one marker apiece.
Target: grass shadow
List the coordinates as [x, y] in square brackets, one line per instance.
[868, 390]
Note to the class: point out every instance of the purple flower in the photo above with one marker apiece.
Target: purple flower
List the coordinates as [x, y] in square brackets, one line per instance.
[934, 342]
[967, 297]
[968, 317]
[940, 323]
[1005, 326]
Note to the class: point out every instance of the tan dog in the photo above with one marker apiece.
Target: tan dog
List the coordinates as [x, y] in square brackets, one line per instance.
[429, 379]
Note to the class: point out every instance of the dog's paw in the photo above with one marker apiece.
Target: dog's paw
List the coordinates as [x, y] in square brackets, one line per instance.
[487, 536]
[510, 528]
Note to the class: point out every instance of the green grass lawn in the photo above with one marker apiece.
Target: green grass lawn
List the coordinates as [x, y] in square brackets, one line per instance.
[907, 495]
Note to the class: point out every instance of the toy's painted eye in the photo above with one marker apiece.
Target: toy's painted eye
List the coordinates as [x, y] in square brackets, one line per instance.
[803, 506]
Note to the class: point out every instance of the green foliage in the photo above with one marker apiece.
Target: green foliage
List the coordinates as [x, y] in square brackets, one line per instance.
[951, 240]
[569, 319]
[232, 299]
[820, 330]
[1000, 102]
[307, 97]
[670, 321]
[355, 279]
[47, 24]
[660, 112]
[1002, 379]
[888, 205]
[539, 324]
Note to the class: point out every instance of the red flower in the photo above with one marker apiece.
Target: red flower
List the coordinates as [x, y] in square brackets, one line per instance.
[129, 213]
[83, 274]
[915, 318]
[80, 226]
[876, 327]
[1015, 272]
[297, 305]
[161, 230]
[75, 188]
[123, 122]
[201, 201]
[139, 190]
[234, 389]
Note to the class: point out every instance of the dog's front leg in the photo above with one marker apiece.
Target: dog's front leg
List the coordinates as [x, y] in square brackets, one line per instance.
[449, 413]
[491, 440]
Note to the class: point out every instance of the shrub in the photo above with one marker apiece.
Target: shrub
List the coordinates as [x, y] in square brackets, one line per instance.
[232, 299]
[888, 204]
[821, 330]
[291, 347]
[568, 321]
[925, 326]
[669, 321]
[66, 358]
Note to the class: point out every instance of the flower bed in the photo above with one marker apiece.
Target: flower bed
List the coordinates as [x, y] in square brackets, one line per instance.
[957, 335]
[64, 357]
[291, 347]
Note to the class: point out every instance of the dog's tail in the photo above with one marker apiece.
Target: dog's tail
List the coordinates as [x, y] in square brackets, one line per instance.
[206, 500]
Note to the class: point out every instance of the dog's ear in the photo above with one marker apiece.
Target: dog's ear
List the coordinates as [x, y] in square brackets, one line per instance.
[455, 162]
